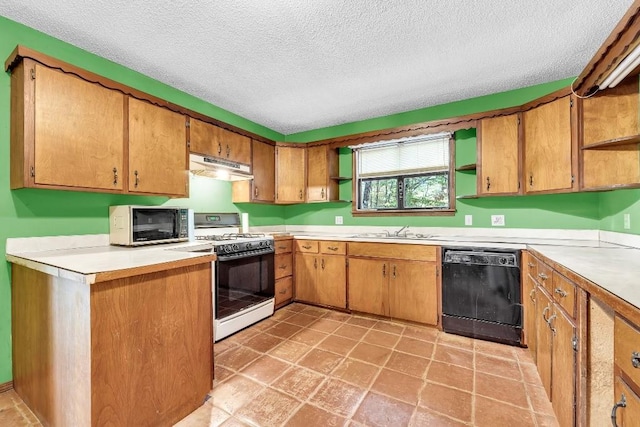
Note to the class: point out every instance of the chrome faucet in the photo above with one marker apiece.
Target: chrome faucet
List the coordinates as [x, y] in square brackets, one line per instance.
[397, 233]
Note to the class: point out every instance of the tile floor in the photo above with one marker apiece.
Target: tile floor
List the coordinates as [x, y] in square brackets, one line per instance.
[308, 366]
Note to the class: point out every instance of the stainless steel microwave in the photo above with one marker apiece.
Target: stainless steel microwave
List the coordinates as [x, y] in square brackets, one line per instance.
[145, 225]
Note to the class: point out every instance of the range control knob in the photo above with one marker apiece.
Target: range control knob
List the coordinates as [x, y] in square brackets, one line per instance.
[502, 261]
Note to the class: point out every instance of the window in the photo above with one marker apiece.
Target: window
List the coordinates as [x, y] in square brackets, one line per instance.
[408, 174]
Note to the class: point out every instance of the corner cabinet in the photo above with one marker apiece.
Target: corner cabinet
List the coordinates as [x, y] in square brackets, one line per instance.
[261, 188]
[498, 165]
[550, 146]
[66, 133]
[290, 174]
[157, 150]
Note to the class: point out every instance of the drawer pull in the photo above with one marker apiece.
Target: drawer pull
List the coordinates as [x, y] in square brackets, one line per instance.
[282, 247]
[621, 404]
[282, 292]
[332, 248]
[531, 295]
[561, 292]
[307, 246]
[635, 359]
[546, 310]
[282, 267]
[543, 276]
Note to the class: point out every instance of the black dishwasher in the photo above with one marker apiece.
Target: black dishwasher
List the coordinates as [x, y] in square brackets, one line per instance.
[481, 295]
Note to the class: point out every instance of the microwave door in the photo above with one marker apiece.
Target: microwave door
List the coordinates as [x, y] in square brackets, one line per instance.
[154, 224]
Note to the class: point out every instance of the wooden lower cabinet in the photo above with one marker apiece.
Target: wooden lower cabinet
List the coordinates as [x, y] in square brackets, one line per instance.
[131, 351]
[320, 278]
[399, 288]
[543, 338]
[529, 304]
[283, 268]
[627, 372]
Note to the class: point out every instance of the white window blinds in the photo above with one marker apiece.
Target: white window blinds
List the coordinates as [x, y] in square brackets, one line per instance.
[406, 156]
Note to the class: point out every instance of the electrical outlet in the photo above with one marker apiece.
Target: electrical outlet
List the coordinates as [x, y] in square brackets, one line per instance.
[497, 220]
[468, 220]
[627, 221]
[338, 220]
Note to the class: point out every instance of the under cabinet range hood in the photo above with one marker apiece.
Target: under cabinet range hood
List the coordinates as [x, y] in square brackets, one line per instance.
[213, 167]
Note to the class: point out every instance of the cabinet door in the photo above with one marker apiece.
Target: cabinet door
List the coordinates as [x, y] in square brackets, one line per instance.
[290, 174]
[317, 174]
[79, 132]
[544, 307]
[264, 172]
[529, 308]
[498, 155]
[629, 415]
[157, 150]
[369, 286]
[548, 147]
[212, 140]
[306, 267]
[331, 282]
[412, 291]
[563, 378]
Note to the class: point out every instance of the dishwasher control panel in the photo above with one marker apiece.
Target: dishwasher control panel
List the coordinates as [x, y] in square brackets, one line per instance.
[480, 258]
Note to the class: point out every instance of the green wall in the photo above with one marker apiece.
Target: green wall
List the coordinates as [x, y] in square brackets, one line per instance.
[613, 206]
[29, 212]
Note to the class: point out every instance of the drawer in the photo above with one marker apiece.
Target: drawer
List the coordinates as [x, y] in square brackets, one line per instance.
[333, 248]
[544, 276]
[284, 290]
[283, 265]
[307, 246]
[393, 251]
[564, 292]
[530, 265]
[283, 246]
[630, 414]
[626, 349]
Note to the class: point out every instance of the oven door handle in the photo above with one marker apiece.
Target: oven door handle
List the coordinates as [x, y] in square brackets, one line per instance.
[232, 257]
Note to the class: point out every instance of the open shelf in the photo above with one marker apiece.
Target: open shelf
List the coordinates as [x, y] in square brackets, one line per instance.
[469, 167]
[468, 196]
[627, 140]
[341, 178]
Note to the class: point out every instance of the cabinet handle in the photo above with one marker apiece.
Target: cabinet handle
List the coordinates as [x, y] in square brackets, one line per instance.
[282, 292]
[635, 359]
[332, 248]
[394, 271]
[228, 151]
[488, 184]
[561, 292]
[255, 191]
[546, 310]
[315, 263]
[300, 195]
[621, 404]
[115, 176]
[322, 263]
[282, 267]
[531, 297]
[549, 320]
[384, 270]
[530, 264]
[307, 246]
[219, 148]
[543, 276]
[531, 181]
[137, 179]
[282, 247]
[322, 193]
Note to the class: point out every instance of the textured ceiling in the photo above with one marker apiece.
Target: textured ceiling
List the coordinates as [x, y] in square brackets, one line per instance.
[295, 65]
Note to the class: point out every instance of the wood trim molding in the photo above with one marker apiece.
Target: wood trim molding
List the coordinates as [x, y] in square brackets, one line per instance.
[6, 386]
[22, 52]
[624, 38]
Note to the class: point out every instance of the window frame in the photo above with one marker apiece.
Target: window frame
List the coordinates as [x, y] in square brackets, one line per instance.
[449, 211]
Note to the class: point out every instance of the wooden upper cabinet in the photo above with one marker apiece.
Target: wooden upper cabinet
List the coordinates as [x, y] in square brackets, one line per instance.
[157, 150]
[65, 132]
[264, 172]
[610, 130]
[499, 155]
[290, 174]
[322, 165]
[211, 140]
[549, 147]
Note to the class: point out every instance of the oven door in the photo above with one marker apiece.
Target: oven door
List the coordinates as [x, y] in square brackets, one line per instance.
[243, 282]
